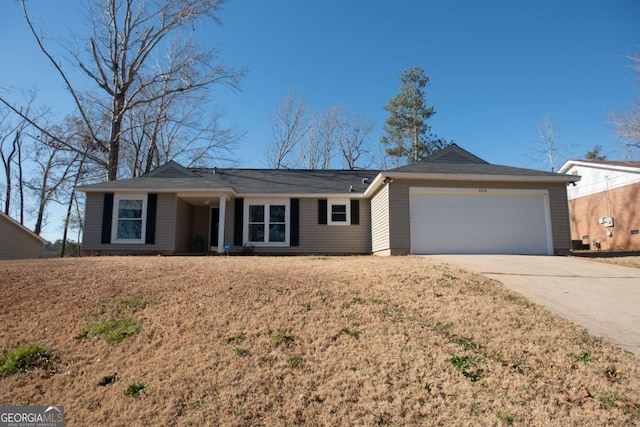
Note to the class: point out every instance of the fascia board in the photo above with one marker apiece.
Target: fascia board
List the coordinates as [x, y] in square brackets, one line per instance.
[353, 195]
[154, 190]
[620, 168]
[481, 177]
[231, 191]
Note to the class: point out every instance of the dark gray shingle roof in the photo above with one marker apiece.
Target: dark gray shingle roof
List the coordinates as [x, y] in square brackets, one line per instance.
[469, 168]
[252, 181]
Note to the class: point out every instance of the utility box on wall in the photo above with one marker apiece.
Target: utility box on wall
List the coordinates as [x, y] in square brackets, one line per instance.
[606, 221]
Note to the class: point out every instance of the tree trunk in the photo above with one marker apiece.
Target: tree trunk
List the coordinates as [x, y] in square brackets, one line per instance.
[114, 136]
[70, 207]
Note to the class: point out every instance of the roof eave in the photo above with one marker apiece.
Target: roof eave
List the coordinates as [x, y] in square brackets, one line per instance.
[482, 177]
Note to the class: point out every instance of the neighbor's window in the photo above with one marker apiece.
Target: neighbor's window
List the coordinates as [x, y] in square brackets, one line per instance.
[267, 223]
[129, 219]
[339, 212]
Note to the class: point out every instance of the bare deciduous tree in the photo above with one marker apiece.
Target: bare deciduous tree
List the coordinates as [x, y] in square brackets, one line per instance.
[354, 139]
[546, 148]
[322, 138]
[122, 64]
[627, 124]
[288, 127]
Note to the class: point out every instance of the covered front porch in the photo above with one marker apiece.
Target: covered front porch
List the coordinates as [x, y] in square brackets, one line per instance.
[201, 222]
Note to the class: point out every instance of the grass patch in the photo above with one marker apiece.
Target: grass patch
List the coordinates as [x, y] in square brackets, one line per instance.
[241, 352]
[235, 339]
[283, 337]
[24, 358]
[467, 344]
[357, 300]
[346, 331]
[135, 389]
[108, 379]
[117, 307]
[583, 357]
[469, 366]
[112, 330]
[506, 417]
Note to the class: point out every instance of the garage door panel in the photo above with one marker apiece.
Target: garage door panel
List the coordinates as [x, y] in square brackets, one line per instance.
[478, 223]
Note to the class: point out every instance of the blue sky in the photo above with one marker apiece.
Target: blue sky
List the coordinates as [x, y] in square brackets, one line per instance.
[496, 67]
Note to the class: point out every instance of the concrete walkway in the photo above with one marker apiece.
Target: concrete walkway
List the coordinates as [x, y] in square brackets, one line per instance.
[603, 298]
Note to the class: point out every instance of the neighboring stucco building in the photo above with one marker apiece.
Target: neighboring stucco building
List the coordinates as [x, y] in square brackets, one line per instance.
[452, 202]
[604, 206]
[16, 241]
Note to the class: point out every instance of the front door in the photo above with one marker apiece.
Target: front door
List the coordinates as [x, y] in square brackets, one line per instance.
[215, 222]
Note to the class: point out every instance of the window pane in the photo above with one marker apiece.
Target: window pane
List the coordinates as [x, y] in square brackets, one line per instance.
[276, 232]
[130, 209]
[256, 213]
[339, 209]
[338, 213]
[130, 229]
[256, 232]
[338, 217]
[276, 213]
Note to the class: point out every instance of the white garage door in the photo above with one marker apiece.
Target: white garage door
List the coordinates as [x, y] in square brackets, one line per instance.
[479, 221]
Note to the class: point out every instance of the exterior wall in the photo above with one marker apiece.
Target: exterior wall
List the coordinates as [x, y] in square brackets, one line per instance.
[16, 243]
[165, 227]
[400, 218]
[619, 203]
[596, 178]
[184, 241]
[380, 220]
[318, 238]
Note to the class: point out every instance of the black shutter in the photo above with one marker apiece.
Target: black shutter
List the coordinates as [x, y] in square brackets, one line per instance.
[355, 212]
[237, 222]
[294, 239]
[107, 216]
[152, 205]
[322, 211]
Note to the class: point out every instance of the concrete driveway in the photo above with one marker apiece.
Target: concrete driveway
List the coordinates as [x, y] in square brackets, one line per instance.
[603, 298]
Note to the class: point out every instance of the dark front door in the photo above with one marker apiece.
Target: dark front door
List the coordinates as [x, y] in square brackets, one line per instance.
[215, 222]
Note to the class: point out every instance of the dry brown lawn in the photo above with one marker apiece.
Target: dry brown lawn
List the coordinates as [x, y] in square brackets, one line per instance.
[629, 261]
[316, 341]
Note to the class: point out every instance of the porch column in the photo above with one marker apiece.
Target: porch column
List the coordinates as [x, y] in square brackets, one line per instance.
[221, 222]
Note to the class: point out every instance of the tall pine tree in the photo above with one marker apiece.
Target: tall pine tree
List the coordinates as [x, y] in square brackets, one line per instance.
[407, 134]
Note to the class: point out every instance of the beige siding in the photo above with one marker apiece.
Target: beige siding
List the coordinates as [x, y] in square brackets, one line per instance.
[184, 227]
[318, 238]
[380, 220]
[165, 226]
[560, 222]
[16, 243]
[400, 231]
[399, 208]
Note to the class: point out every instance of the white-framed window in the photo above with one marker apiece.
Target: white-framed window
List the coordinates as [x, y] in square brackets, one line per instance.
[129, 218]
[267, 222]
[338, 212]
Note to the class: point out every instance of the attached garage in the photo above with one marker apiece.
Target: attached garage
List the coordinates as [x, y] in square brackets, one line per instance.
[480, 221]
